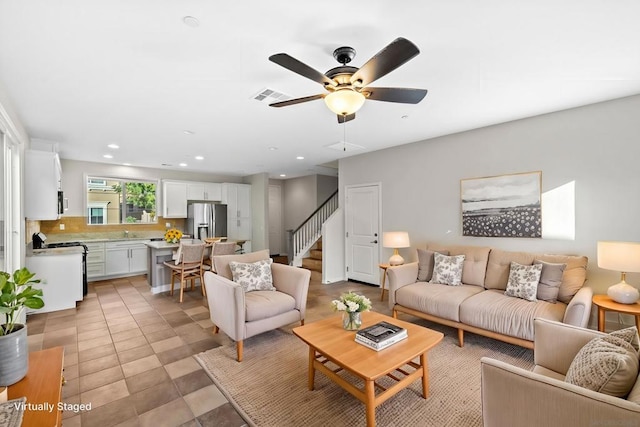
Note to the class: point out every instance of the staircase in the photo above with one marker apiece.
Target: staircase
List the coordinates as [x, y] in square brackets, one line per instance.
[314, 261]
[306, 238]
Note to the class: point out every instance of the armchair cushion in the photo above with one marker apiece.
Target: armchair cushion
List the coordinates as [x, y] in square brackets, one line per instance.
[253, 276]
[607, 364]
[265, 304]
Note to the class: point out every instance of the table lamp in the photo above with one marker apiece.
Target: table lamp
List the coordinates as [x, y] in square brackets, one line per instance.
[625, 258]
[396, 240]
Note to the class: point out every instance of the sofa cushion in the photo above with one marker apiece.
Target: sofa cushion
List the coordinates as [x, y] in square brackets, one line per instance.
[494, 311]
[499, 266]
[607, 364]
[574, 274]
[523, 281]
[266, 304]
[447, 270]
[475, 261]
[550, 280]
[221, 262]
[425, 264]
[436, 299]
[253, 276]
[634, 394]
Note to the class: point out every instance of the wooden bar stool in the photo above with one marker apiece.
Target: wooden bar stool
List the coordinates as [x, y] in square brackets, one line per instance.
[188, 266]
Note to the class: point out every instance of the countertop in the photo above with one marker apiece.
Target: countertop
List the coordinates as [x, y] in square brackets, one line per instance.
[54, 251]
[164, 245]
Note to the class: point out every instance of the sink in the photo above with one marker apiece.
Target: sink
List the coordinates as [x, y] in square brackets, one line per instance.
[157, 239]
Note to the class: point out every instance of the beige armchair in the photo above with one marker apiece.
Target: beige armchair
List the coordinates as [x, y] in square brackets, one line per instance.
[516, 397]
[242, 315]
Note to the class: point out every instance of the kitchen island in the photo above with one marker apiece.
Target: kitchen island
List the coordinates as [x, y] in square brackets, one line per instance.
[158, 274]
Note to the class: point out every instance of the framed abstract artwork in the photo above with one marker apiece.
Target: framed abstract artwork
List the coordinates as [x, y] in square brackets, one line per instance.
[502, 206]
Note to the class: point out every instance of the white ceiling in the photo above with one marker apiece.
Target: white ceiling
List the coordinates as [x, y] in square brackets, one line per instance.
[88, 73]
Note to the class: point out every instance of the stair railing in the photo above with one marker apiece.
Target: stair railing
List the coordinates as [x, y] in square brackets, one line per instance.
[300, 240]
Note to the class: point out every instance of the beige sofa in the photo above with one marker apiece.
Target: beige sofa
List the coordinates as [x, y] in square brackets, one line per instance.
[479, 305]
[515, 397]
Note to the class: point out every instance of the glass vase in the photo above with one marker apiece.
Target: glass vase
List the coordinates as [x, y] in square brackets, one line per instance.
[351, 321]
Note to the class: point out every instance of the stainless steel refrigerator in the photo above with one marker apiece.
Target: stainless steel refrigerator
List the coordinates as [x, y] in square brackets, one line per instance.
[206, 220]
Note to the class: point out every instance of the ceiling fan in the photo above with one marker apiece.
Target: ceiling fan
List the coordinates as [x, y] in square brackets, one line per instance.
[347, 86]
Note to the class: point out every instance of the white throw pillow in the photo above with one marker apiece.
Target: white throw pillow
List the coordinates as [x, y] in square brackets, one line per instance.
[447, 270]
[523, 281]
[254, 276]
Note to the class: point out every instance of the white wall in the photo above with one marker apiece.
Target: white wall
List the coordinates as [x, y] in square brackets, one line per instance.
[259, 211]
[73, 175]
[597, 146]
[300, 200]
[326, 186]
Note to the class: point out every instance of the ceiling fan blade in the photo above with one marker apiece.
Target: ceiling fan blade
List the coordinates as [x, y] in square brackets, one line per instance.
[296, 100]
[292, 64]
[388, 59]
[347, 118]
[395, 94]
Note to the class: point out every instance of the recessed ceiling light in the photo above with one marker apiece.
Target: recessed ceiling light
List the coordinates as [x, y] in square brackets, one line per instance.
[188, 132]
[282, 175]
[126, 164]
[183, 164]
[273, 148]
[404, 117]
[199, 158]
[191, 21]
[300, 158]
[114, 146]
[108, 156]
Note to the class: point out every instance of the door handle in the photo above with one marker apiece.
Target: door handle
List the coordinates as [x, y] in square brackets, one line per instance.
[375, 241]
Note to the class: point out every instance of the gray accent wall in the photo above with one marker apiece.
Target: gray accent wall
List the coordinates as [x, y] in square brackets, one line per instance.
[597, 146]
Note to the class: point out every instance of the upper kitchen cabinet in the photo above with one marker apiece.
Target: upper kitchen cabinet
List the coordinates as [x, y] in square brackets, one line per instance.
[43, 193]
[174, 199]
[209, 191]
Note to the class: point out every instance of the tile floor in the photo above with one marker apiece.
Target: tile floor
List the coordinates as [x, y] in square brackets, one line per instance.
[129, 353]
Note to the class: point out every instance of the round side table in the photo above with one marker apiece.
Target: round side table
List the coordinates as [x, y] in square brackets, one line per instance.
[605, 303]
[384, 268]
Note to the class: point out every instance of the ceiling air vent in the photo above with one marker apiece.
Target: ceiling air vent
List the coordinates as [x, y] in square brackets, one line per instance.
[269, 96]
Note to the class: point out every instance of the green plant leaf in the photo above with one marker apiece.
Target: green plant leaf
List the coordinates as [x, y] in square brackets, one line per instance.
[34, 303]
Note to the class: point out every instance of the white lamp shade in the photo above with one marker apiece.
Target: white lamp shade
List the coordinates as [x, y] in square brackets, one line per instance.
[619, 256]
[395, 239]
[344, 101]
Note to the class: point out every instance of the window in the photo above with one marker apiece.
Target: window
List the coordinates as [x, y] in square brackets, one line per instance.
[97, 212]
[121, 201]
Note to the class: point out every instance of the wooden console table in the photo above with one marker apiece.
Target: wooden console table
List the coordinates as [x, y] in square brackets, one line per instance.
[41, 386]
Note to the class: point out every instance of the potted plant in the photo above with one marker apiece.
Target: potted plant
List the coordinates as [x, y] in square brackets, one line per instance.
[16, 293]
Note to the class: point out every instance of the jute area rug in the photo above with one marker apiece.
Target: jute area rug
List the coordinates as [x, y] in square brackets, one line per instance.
[269, 387]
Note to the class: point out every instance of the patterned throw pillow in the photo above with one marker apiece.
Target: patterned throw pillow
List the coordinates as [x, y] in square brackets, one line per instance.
[550, 281]
[607, 364]
[425, 264]
[255, 276]
[523, 281]
[447, 270]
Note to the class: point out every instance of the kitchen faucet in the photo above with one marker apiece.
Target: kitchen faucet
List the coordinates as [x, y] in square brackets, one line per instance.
[126, 233]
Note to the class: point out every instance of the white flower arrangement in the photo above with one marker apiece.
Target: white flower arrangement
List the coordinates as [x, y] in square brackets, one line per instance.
[351, 303]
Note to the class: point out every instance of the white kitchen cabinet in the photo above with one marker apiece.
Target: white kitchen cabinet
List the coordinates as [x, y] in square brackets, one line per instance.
[42, 183]
[174, 199]
[95, 259]
[237, 197]
[209, 191]
[124, 258]
[61, 279]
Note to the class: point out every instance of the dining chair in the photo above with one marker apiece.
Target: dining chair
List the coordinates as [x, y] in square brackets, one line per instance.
[221, 248]
[187, 266]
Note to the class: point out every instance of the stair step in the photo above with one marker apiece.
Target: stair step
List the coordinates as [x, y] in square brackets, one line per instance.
[316, 254]
[312, 264]
[319, 244]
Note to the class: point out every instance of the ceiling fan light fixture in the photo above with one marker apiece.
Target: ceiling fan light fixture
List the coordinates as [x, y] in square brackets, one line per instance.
[344, 101]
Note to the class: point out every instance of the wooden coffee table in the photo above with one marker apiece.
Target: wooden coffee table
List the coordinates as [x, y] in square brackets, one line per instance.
[328, 341]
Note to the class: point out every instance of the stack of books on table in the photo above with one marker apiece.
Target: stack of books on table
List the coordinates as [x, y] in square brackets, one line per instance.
[381, 335]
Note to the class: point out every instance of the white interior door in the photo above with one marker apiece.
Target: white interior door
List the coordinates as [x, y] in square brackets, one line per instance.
[363, 229]
[275, 220]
